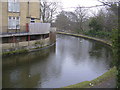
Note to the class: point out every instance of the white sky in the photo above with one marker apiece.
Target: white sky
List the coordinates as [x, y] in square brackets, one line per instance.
[67, 4]
[74, 3]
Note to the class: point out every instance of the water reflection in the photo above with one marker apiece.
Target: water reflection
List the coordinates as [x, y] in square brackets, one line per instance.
[73, 60]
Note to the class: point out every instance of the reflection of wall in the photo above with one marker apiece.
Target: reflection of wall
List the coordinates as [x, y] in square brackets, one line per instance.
[27, 80]
[38, 66]
[20, 79]
[23, 58]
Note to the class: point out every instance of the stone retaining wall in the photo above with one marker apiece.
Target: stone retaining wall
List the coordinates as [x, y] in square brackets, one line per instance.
[25, 44]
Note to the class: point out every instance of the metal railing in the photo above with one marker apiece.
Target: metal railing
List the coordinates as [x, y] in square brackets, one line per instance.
[6, 30]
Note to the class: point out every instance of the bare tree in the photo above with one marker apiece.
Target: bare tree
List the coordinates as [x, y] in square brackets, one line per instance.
[48, 11]
[73, 25]
[81, 14]
[113, 5]
[112, 13]
[62, 21]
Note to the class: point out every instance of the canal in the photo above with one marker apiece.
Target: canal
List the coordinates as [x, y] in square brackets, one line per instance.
[72, 60]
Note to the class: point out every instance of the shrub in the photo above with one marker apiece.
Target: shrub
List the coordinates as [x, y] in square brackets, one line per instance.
[99, 34]
[116, 52]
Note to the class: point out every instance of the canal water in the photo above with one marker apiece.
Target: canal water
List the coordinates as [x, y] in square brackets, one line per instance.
[72, 60]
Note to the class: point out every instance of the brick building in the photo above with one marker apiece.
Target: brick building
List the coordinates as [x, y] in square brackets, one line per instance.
[21, 24]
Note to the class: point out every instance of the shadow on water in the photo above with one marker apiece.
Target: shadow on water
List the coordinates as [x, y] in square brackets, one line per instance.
[71, 61]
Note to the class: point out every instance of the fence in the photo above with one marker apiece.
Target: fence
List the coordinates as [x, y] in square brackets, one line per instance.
[5, 30]
[39, 28]
[34, 28]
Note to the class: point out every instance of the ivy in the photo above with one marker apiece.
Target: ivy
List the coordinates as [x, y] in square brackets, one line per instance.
[116, 52]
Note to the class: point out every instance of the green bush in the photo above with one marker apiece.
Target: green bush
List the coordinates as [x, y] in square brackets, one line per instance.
[116, 52]
[95, 25]
[99, 34]
[37, 43]
[78, 31]
[15, 52]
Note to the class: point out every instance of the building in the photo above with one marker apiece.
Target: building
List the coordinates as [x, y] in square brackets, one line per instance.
[16, 15]
[21, 24]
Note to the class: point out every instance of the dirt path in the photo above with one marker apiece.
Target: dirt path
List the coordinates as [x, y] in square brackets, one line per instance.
[110, 83]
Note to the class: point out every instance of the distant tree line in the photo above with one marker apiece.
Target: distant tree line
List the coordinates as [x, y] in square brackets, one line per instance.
[79, 21]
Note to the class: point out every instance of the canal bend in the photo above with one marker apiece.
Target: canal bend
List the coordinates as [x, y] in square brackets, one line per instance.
[72, 60]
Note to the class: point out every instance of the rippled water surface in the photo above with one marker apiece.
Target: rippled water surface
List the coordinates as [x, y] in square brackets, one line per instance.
[71, 61]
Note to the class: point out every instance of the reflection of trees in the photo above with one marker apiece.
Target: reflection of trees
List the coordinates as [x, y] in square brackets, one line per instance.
[109, 56]
[96, 50]
[76, 49]
[101, 52]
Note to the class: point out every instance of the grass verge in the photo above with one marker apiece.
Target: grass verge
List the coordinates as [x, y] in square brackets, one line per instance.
[14, 52]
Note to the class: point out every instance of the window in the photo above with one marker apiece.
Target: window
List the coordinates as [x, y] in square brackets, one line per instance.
[13, 6]
[18, 22]
[13, 22]
[10, 5]
[32, 20]
[9, 22]
[17, 6]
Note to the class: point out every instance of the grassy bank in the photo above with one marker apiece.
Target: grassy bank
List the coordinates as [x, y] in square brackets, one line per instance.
[20, 51]
[15, 52]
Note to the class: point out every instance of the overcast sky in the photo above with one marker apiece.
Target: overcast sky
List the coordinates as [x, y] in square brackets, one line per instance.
[75, 3]
[67, 4]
